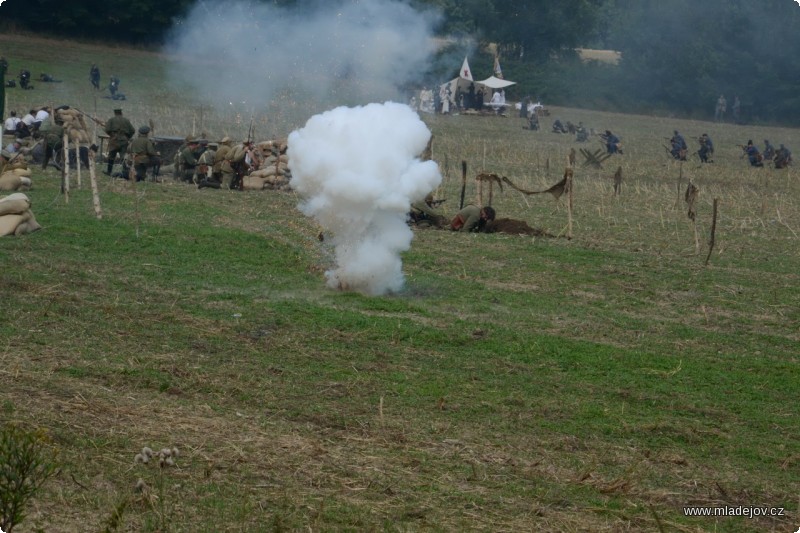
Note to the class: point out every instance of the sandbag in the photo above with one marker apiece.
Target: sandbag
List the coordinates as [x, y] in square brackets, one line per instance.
[14, 204]
[9, 223]
[264, 172]
[252, 183]
[27, 225]
[69, 112]
[25, 172]
[10, 181]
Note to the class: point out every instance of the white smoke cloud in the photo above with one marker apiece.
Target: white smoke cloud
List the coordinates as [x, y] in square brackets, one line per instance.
[304, 58]
[359, 170]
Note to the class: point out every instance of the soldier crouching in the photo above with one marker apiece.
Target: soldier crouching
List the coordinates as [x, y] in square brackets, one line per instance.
[204, 173]
[187, 160]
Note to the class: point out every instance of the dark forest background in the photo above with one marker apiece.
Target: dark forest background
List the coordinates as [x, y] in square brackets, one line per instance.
[678, 56]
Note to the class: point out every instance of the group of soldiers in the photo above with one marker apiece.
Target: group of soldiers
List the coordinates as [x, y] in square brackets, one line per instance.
[470, 218]
[215, 164]
[780, 157]
[679, 150]
[580, 131]
[197, 161]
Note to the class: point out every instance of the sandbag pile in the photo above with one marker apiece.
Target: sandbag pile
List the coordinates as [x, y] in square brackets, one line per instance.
[74, 125]
[273, 172]
[15, 175]
[16, 217]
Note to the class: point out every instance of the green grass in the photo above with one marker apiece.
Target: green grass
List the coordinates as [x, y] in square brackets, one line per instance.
[514, 384]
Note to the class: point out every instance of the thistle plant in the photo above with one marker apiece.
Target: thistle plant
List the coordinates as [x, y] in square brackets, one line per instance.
[163, 458]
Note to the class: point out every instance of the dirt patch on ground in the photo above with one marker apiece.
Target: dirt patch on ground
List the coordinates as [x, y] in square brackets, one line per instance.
[514, 227]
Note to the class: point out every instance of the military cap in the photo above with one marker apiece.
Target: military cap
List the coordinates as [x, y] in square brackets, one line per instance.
[118, 111]
[225, 139]
[144, 130]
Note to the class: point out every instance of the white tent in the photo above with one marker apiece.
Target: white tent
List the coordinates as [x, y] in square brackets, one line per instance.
[496, 83]
[464, 84]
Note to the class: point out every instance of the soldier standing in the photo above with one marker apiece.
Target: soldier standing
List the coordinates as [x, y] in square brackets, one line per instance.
[94, 76]
[120, 130]
[144, 154]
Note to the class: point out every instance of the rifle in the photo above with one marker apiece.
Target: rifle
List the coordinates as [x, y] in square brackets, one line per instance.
[437, 203]
[85, 114]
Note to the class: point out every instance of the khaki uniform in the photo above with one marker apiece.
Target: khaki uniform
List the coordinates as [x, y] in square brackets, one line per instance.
[120, 130]
[205, 165]
[187, 161]
[53, 141]
[144, 155]
[234, 166]
[467, 219]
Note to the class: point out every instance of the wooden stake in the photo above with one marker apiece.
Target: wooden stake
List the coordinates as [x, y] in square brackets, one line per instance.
[95, 193]
[680, 179]
[78, 161]
[712, 239]
[65, 168]
[132, 180]
[568, 175]
[463, 183]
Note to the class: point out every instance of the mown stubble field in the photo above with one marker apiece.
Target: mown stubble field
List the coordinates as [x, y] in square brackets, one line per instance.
[600, 383]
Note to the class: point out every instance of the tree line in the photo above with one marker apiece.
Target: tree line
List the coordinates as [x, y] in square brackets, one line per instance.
[678, 56]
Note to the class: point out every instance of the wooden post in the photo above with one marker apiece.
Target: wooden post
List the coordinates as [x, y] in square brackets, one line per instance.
[568, 175]
[78, 161]
[680, 179]
[479, 198]
[65, 168]
[712, 239]
[93, 180]
[491, 183]
[132, 180]
[463, 183]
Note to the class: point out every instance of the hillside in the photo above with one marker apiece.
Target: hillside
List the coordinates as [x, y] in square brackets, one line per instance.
[599, 383]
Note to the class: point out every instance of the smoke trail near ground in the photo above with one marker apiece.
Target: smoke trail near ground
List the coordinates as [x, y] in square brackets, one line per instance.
[359, 170]
[305, 58]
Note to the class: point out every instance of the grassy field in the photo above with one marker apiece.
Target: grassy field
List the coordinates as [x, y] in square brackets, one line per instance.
[599, 383]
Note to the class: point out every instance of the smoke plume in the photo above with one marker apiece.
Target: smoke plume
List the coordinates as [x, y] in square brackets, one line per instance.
[359, 170]
[248, 56]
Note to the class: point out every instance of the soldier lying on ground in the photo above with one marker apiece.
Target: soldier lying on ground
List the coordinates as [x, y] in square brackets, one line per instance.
[425, 213]
[472, 218]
